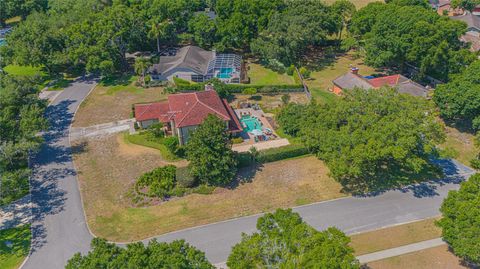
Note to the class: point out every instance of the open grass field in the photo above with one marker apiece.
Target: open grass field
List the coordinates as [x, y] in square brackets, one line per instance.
[329, 69]
[108, 167]
[11, 257]
[358, 3]
[260, 75]
[460, 145]
[432, 258]
[395, 236]
[113, 100]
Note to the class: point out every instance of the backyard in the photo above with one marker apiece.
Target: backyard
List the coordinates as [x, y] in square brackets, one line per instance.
[14, 246]
[261, 75]
[112, 101]
[108, 167]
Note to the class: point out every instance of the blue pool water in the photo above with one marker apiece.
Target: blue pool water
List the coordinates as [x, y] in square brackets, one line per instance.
[2, 42]
[251, 123]
[225, 73]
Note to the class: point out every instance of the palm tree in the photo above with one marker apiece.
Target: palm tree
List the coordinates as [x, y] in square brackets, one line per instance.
[158, 30]
[141, 66]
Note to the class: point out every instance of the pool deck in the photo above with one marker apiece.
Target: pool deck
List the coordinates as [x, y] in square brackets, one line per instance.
[260, 115]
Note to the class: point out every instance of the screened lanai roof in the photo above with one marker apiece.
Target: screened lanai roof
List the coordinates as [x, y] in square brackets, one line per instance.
[225, 61]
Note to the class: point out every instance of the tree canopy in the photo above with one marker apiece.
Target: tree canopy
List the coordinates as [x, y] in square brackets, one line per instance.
[461, 220]
[400, 33]
[177, 254]
[284, 240]
[21, 118]
[289, 33]
[209, 151]
[459, 100]
[368, 137]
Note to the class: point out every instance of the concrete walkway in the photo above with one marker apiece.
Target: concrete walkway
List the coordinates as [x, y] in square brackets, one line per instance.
[388, 253]
[100, 130]
[16, 213]
[262, 145]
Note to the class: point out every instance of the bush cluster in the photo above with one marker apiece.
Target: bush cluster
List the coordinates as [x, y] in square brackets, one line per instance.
[161, 182]
[271, 155]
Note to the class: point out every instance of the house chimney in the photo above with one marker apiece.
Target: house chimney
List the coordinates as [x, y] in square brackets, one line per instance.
[209, 87]
[354, 70]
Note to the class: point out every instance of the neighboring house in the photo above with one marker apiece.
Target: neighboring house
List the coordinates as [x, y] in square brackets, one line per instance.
[472, 35]
[195, 64]
[444, 7]
[401, 83]
[210, 13]
[183, 112]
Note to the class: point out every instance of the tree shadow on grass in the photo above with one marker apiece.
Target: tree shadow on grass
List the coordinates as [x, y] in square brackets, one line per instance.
[117, 80]
[246, 175]
[421, 184]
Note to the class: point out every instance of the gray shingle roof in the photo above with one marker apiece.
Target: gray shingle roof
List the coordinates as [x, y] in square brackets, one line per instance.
[350, 81]
[473, 21]
[190, 57]
[413, 88]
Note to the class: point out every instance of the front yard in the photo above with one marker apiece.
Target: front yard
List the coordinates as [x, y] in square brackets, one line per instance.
[113, 100]
[108, 168]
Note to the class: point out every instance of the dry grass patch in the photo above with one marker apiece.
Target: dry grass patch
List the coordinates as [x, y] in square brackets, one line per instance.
[358, 3]
[459, 145]
[113, 103]
[107, 169]
[432, 258]
[396, 236]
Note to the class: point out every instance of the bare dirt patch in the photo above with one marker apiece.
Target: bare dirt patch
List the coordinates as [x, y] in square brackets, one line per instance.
[105, 105]
[432, 258]
[107, 170]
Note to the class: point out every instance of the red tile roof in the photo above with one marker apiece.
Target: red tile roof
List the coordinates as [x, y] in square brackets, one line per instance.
[188, 109]
[152, 111]
[382, 81]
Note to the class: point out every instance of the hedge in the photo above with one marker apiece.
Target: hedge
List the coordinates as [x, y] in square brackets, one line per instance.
[272, 155]
[239, 88]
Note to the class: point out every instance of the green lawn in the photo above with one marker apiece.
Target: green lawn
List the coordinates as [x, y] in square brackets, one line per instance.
[260, 75]
[17, 70]
[142, 140]
[20, 237]
[358, 3]
[121, 83]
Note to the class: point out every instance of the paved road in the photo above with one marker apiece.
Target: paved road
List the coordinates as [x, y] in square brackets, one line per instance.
[352, 215]
[58, 227]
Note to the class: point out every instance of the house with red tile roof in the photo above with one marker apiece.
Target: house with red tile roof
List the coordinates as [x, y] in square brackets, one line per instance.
[183, 112]
[401, 83]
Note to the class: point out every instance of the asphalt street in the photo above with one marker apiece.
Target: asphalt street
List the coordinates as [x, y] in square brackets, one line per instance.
[59, 227]
[352, 214]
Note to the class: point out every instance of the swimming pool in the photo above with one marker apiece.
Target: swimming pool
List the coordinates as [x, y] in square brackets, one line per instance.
[251, 123]
[225, 73]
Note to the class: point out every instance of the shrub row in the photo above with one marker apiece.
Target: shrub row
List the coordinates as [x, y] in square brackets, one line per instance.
[271, 155]
[239, 88]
